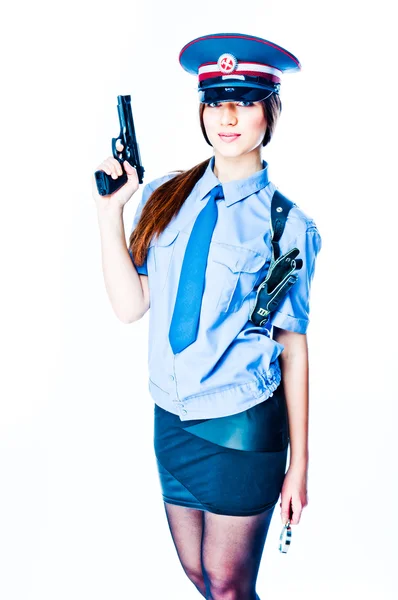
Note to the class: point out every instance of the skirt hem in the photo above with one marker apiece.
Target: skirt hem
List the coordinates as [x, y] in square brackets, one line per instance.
[219, 512]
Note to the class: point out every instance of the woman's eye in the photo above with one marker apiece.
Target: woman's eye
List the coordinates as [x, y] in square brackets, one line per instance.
[241, 103]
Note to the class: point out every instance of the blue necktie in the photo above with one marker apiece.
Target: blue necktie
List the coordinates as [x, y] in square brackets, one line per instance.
[185, 319]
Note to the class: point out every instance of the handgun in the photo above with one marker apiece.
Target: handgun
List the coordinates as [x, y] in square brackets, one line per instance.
[105, 183]
[279, 280]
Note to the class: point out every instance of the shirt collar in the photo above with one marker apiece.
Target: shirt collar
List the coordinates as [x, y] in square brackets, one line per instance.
[233, 190]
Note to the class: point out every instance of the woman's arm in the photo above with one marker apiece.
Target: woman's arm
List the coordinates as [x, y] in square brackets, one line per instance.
[294, 367]
[127, 289]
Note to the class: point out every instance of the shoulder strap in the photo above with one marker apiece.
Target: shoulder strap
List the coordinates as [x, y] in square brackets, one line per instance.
[280, 208]
[280, 277]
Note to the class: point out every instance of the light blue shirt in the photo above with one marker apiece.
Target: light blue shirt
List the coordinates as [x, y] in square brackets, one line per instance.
[233, 364]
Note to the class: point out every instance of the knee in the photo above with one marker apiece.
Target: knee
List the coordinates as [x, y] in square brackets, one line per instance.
[228, 588]
[197, 579]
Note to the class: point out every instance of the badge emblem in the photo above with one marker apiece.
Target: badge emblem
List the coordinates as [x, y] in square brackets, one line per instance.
[227, 63]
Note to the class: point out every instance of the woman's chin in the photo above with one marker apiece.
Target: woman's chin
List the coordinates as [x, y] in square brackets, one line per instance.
[229, 152]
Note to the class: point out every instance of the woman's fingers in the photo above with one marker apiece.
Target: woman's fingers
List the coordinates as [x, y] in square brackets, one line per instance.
[111, 166]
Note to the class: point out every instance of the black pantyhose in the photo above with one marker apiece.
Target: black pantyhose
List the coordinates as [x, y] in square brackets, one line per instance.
[220, 554]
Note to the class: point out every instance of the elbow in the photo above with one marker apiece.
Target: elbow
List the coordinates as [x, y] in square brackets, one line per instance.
[124, 318]
[131, 318]
[126, 321]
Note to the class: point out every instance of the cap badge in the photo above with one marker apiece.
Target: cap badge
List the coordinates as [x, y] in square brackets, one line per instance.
[227, 63]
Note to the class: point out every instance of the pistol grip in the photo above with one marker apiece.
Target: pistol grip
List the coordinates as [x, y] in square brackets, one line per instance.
[106, 184]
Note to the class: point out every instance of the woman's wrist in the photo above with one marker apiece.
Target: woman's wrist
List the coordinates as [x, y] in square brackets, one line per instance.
[110, 217]
[109, 211]
[299, 462]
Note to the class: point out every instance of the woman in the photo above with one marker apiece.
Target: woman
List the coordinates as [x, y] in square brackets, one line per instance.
[228, 397]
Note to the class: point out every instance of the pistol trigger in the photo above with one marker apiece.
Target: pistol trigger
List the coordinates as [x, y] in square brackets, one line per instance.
[118, 154]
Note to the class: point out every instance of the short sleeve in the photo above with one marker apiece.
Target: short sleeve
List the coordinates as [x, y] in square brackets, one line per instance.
[149, 188]
[146, 192]
[293, 312]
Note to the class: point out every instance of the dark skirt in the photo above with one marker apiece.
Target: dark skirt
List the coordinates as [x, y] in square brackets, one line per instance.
[233, 465]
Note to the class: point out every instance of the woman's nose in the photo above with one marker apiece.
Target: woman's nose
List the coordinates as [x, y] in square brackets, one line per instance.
[228, 114]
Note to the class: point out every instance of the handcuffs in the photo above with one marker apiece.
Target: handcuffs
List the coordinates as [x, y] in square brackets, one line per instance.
[285, 537]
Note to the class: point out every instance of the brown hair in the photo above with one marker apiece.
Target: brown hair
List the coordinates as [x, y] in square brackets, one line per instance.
[165, 202]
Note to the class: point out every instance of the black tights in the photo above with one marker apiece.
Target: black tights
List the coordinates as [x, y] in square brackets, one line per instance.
[220, 554]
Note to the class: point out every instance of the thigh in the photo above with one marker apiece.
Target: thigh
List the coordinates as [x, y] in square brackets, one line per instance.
[232, 547]
[186, 528]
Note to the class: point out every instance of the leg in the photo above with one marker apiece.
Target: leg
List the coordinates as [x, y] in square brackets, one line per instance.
[186, 528]
[231, 553]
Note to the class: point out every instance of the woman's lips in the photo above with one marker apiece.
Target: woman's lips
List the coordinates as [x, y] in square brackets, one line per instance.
[229, 138]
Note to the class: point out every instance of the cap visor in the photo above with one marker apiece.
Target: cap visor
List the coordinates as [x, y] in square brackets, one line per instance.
[233, 94]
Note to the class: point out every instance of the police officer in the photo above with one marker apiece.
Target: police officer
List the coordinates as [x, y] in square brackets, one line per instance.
[228, 396]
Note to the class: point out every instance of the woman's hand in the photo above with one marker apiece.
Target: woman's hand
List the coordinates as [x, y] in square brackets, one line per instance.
[294, 494]
[112, 167]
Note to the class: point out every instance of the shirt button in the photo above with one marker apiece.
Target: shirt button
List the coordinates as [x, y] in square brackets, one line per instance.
[172, 377]
[184, 412]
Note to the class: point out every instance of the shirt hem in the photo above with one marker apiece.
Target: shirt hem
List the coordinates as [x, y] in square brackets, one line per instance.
[219, 403]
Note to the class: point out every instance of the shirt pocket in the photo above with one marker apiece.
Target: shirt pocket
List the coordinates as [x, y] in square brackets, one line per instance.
[237, 271]
[163, 248]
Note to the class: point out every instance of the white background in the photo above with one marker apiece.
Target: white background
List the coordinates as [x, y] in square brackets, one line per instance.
[81, 513]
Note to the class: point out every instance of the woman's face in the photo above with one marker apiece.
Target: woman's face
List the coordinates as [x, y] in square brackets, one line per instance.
[243, 122]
